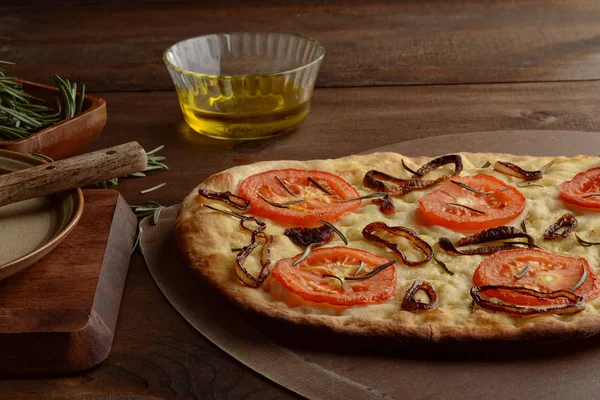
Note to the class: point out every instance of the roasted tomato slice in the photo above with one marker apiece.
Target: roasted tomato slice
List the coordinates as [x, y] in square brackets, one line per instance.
[583, 189]
[547, 272]
[307, 281]
[289, 197]
[493, 203]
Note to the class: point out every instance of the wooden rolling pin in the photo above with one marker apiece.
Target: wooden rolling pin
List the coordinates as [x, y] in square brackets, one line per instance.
[70, 173]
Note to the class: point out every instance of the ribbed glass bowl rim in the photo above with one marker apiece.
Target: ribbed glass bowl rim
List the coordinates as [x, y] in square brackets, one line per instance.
[203, 75]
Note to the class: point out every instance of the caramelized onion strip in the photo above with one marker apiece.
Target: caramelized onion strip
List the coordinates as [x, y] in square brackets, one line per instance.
[410, 301]
[575, 304]
[226, 197]
[567, 221]
[370, 233]
[265, 260]
[511, 169]
[376, 180]
[487, 235]
[386, 205]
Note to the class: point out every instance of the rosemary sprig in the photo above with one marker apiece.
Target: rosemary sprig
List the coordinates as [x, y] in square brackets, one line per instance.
[412, 171]
[367, 196]
[370, 274]
[548, 165]
[525, 185]
[21, 114]
[465, 186]
[586, 243]
[336, 230]
[155, 162]
[317, 184]
[68, 91]
[360, 268]
[152, 189]
[467, 207]
[306, 253]
[336, 277]
[584, 276]
[285, 186]
[285, 204]
[522, 272]
[148, 208]
[141, 211]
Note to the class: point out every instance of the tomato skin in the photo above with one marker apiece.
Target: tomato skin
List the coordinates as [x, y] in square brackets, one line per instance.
[306, 280]
[548, 272]
[582, 184]
[502, 206]
[318, 205]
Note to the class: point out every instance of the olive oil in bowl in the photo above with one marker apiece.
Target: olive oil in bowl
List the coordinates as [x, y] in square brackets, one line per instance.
[244, 85]
[246, 112]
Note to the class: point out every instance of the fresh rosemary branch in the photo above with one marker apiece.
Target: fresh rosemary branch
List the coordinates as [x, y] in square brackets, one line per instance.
[21, 114]
[152, 189]
[155, 162]
[68, 91]
[149, 208]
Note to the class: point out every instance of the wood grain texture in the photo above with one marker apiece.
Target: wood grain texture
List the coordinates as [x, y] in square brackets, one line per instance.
[119, 46]
[71, 173]
[60, 314]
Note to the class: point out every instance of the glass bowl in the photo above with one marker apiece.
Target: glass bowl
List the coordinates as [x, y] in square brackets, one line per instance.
[244, 85]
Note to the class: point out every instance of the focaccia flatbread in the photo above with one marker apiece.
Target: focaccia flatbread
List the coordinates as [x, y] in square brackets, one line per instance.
[206, 239]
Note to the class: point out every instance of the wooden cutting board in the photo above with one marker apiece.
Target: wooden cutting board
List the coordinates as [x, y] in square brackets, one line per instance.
[59, 315]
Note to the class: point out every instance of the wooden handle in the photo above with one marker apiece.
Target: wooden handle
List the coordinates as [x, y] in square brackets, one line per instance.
[71, 173]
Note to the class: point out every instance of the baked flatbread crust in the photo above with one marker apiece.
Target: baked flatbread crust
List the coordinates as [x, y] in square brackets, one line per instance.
[206, 238]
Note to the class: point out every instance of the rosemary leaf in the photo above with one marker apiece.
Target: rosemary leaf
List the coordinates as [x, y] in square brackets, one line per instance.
[406, 167]
[467, 207]
[522, 272]
[586, 243]
[336, 277]
[360, 268]
[336, 230]
[306, 253]
[317, 184]
[464, 186]
[584, 276]
[152, 189]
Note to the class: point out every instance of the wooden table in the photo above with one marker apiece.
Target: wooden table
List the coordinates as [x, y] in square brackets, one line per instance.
[393, 71]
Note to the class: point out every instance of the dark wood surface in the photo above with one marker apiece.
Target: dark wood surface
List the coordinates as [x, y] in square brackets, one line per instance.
[119, 46]
[511, 65]
[59, 315]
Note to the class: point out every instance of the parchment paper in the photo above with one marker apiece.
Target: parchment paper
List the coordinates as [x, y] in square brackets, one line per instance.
[551, 371]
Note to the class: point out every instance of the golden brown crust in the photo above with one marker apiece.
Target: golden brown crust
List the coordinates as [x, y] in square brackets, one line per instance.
[206, 238]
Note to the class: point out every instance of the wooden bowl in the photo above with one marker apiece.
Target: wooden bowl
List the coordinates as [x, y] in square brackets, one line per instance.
[67, 138]
[31, 229]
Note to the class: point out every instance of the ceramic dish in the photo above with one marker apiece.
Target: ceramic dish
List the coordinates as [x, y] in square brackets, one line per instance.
[67, 138]
[32, 228]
